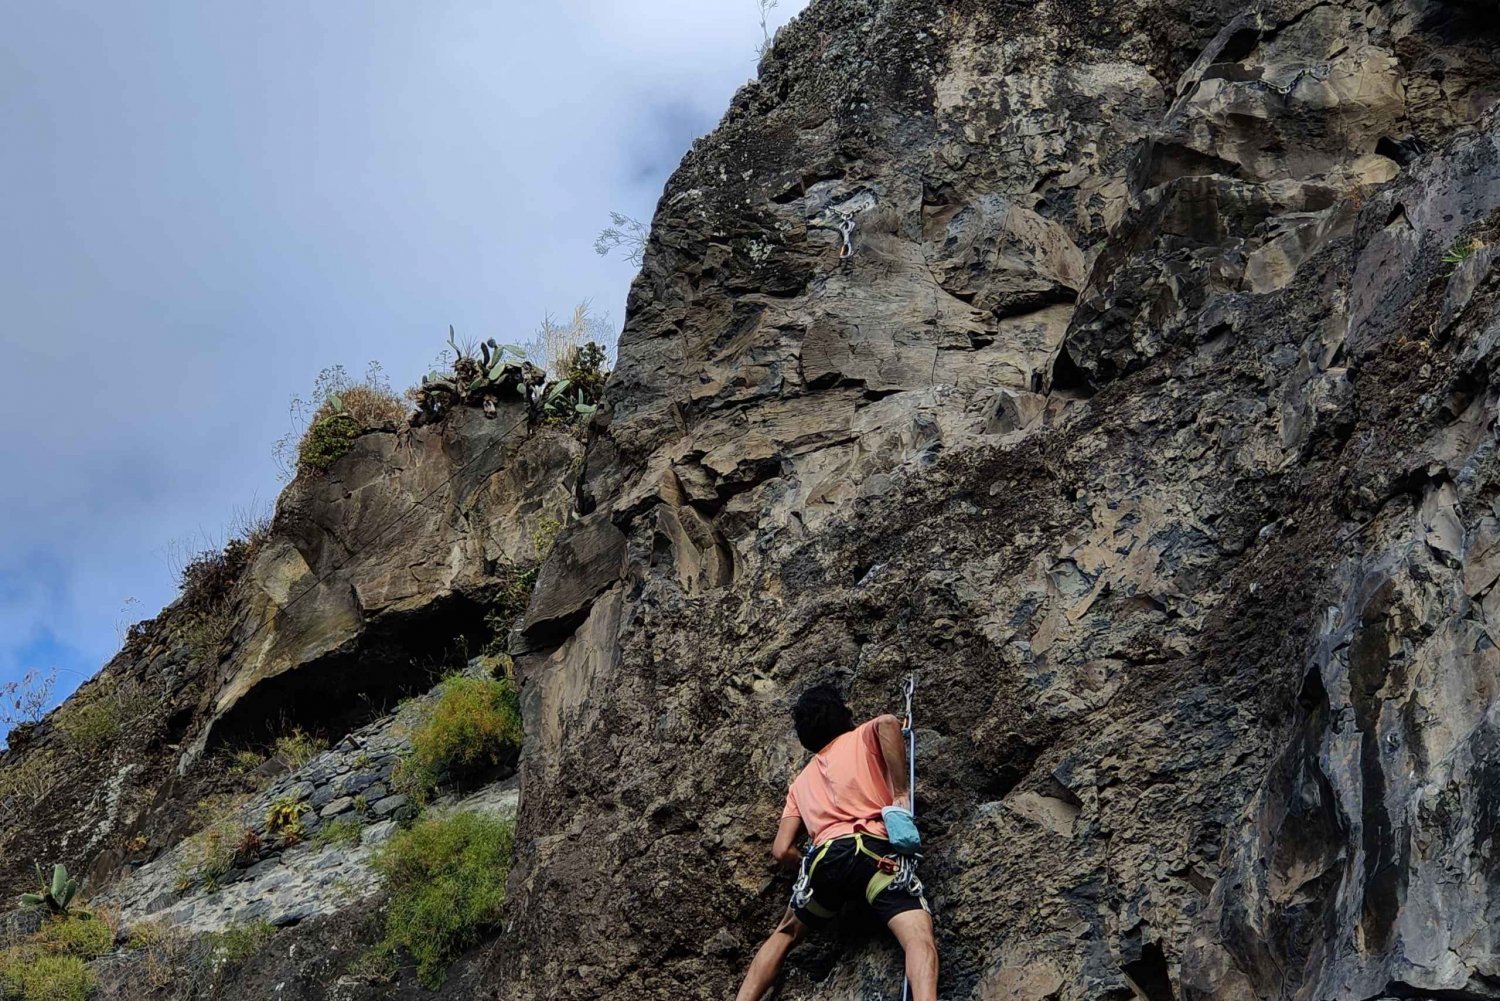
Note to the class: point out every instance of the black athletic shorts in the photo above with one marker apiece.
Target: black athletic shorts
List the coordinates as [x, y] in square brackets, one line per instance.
[850, 869]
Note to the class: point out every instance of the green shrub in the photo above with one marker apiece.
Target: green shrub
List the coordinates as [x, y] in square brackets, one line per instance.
[239, 942]
[511, 599]
[45, 977]
[328, 439]
[446, 880]
[474, 723]
[86, 938]
[343, 832]
[584, 369]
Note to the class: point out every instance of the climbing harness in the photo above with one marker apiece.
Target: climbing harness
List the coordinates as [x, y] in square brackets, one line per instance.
[892, 872]
[909, 865]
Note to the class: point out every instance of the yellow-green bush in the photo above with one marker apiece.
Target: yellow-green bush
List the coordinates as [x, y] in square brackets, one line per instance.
[205, 634]
[284, 819]
[27, 783]
[86, 938]
[297, 748]
[446, 879]
[33, 977]
[475, 722]
[91, 727]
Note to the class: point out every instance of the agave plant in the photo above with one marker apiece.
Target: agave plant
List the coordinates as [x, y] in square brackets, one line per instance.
[499, 368]
[56, 895]
[559, 404]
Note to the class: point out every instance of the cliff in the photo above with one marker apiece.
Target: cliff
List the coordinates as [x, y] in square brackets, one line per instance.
[1124, 370]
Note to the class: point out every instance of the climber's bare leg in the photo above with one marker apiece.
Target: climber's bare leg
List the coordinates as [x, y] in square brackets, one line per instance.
[913, 929]
[767, 963]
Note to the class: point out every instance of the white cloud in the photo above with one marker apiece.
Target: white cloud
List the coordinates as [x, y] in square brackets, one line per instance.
[209, 203]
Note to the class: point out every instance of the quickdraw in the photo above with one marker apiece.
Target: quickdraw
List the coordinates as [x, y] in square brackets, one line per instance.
[907, 878]
[846, 229]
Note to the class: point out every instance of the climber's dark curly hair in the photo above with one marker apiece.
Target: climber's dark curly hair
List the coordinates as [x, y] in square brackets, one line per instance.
[821, 715]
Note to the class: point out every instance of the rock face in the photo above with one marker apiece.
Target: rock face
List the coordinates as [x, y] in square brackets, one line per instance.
[386, 560]
[1148, 418]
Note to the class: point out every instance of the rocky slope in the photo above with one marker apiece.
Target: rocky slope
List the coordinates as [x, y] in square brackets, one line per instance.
[1147, 414]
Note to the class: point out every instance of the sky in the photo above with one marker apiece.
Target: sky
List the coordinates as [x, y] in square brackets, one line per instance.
[206, 203]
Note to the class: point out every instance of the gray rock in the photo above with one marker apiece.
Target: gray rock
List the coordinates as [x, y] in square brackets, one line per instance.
[354, 783]
[388, 806]
[376, 833]
[338, 806]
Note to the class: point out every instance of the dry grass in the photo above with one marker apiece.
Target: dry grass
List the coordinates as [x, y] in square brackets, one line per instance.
[94, 721]
[338, 410]
[167, 948]
[25, 785]
[556, 344]
[297, 747]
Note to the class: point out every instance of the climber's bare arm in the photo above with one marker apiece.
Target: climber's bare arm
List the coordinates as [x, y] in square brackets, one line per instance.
[893, 750]
[785, 849]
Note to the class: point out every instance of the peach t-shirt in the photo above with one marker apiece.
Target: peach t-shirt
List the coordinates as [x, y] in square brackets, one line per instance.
[843, 788]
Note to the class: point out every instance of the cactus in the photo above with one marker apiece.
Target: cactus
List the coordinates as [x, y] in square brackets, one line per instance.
[480, 381]
[57, 894]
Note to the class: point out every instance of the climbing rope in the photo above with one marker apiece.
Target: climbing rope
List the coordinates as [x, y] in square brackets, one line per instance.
[910, 733]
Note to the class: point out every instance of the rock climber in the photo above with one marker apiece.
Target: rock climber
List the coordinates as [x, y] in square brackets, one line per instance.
[850, 799]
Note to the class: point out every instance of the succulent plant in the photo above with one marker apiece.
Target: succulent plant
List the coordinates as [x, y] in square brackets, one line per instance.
[284, 819]
[56, 894]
